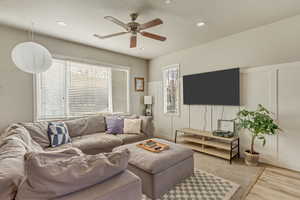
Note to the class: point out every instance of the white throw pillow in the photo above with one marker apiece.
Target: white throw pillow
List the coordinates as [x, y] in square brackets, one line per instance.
[132, 126]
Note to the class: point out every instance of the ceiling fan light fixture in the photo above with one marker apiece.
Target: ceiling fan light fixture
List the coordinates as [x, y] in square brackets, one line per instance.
[168, 1]
[61, 23]
[200, 24]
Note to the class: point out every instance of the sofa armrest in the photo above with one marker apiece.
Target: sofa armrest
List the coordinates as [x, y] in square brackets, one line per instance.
[147, 126]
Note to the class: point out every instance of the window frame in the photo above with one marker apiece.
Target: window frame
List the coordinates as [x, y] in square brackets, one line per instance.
[37, 83]
[166, 112]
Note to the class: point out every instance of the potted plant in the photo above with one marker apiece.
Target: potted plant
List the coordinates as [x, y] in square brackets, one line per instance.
[259, 123]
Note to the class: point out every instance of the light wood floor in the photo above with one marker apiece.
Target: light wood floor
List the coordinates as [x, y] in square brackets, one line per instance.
[263, 182]
[276, 184]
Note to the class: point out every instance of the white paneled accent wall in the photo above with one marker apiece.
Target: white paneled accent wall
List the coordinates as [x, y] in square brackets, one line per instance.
[277, 87]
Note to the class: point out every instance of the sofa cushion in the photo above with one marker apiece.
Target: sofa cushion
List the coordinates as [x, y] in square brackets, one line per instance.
[59, 148]
[15, 141]
[53, 174]
[86, 126]
[156, 162]
[112, 189]
[130, 138]
[11, 168]
[94, 141]
[58, 134]
[38, 132]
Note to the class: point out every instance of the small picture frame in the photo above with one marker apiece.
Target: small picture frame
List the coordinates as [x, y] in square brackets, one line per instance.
[139, 84]
[226, 125]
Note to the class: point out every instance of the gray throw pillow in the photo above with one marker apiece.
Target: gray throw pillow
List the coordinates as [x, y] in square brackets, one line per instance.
[86, 126]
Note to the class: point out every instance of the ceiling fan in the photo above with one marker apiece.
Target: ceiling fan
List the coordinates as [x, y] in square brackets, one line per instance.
[134, 28]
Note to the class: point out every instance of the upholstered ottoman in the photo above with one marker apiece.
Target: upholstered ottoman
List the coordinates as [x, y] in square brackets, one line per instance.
[160, 171]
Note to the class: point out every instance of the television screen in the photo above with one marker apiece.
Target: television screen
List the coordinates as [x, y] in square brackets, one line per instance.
[212, 88]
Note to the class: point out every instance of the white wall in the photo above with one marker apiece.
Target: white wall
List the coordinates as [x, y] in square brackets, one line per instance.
[272, 86]
[16, 87]
[271, 44]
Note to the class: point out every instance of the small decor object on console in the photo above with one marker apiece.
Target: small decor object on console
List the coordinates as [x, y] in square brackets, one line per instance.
[226, 125]
[58, 134]
[226, 128]
[153, 146]
[226, 134]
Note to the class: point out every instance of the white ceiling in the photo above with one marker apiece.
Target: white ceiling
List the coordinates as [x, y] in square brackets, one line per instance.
[85, 18]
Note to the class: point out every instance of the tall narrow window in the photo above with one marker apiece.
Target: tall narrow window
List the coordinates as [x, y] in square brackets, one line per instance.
[171, 89]
[71, 89]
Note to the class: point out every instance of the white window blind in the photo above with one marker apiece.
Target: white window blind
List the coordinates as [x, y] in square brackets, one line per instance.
[71, 89]
[89, 89]
[52, 92]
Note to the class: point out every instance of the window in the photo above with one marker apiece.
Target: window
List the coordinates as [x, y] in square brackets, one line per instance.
[71, 89]
[171, 89]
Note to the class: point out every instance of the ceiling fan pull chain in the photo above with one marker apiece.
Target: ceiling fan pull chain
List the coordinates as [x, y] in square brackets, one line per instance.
[31, 32]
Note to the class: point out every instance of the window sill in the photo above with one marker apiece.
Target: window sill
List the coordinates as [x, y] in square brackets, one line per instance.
[82, 116]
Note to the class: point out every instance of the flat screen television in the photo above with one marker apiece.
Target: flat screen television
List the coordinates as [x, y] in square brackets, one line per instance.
[212, 88]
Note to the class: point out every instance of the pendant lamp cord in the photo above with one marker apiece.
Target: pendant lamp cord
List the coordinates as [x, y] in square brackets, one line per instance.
[31, 32]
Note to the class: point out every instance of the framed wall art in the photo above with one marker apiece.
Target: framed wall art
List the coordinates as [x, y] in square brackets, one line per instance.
[139, 84]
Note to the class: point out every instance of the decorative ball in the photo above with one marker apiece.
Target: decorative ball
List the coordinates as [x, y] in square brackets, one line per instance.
[31, 57]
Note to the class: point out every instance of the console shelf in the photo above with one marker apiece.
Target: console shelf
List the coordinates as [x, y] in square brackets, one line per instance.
[206, 142]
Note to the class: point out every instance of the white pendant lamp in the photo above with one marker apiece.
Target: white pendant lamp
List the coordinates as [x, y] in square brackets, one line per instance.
[31, 57]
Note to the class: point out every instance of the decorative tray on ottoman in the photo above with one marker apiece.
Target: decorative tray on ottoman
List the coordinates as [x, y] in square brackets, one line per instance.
[153, 146]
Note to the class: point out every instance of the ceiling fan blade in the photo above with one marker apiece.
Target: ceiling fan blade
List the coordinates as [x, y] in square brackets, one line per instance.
[153, 36]
[150, 24]
[109, 36]
[116, 21]
[133, 41]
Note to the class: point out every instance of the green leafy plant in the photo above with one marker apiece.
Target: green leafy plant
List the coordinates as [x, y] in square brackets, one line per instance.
[258, 122]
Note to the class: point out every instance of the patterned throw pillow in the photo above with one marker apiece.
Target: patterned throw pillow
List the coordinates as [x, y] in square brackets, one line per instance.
[58, 134]
[114, 125]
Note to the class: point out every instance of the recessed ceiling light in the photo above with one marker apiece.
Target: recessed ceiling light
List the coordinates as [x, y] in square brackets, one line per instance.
[168, 1]
[199, 24]
[61, 23]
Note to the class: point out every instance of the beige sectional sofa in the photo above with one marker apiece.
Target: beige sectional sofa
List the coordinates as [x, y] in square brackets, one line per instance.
[88, 134]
